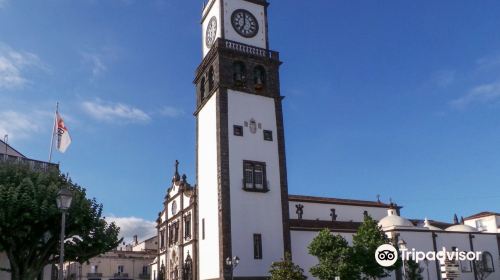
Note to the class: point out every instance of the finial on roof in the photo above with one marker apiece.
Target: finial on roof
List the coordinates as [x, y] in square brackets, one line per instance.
[177, 177]
[455, 219]
[378, 198]
[184, 178]
[462, 220]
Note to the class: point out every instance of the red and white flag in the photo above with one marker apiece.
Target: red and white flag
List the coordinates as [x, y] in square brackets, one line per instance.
[63, 138]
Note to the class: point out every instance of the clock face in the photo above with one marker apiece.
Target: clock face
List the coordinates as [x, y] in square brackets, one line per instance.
[245, 23]
[211, 32]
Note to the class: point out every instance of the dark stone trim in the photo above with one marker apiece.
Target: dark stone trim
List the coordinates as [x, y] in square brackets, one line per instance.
[280, 137]
[258, 2]
[299, 224]
[225, 243]
[204, 16]
[338, 201]
[266, 25]
[440, 231]
[434, 246]
[251, 278]
[222, 20]
[179, 214]
[471, 243]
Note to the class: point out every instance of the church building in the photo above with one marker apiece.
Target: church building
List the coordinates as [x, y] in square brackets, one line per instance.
[237, 216]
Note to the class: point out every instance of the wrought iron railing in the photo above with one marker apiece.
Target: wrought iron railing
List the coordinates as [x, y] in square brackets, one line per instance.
[34, 164]
[94, 275]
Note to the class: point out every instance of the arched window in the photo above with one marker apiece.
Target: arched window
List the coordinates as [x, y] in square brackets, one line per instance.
[211, 79]
[239, 73]
[487, 262]
[202, 89]
[259, 77]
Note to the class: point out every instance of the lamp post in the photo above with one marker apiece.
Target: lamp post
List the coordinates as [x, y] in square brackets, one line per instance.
[64, 198]
[232, 263]
[402, 245]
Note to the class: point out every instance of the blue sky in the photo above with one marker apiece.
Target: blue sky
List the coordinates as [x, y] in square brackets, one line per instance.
[395, 98]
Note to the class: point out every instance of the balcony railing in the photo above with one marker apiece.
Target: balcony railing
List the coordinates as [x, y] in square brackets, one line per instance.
[247, 49]
[121, 275]
[144, 276]
[34, 164]
[94, 275]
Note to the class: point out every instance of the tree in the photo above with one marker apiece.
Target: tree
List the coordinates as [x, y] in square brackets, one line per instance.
[335, 256]
[365, 242]
[413, 270]
[286, 270]
[30, 221]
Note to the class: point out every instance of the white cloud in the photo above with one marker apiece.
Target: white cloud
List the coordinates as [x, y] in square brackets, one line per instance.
[486, 93]
[13, 65]
[95, 61]
[114, 112]
[19, 126]
[130, 226]
[171, 112]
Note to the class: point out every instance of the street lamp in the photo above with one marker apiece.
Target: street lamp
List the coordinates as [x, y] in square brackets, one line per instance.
[402, 245]
[232, 263]
[64, 198]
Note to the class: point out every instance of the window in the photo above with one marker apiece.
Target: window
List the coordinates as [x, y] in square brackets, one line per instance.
[176, 232]
[94, 268]
[187, 227]
[487, 262]
[238, 130]
[202, 89]
[254, 176]
[211, 79]
[162, 239]
[257, 246]
[170, 235]
[145, 269]
[120, 269]
[268, 135]
[203, 229]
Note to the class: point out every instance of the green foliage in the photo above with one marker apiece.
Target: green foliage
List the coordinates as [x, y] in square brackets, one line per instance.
[336, 257]
[286, 270]
[365, 242]
[30, 221]
[413, 270]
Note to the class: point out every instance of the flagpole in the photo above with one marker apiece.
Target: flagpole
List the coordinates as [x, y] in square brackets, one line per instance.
[53, 132]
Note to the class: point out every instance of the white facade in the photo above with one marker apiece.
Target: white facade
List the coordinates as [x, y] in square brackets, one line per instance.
[224, 27]
[254, 212]
[208, 200]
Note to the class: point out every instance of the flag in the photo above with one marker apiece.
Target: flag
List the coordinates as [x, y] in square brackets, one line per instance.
[63, 138]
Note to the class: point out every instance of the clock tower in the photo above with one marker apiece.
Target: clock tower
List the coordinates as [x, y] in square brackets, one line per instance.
[241, 164]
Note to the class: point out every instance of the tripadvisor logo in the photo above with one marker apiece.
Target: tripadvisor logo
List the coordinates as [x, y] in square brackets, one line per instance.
[386, 255]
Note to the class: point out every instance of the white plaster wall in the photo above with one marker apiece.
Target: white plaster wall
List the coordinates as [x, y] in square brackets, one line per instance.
[257, 10]
[4, 263]
[488, 242]
[421, 241]
[214, 11]
[254, 212]
[489, 223]
[321, 211]
[208, 193]
[459, 240]
[300, 242]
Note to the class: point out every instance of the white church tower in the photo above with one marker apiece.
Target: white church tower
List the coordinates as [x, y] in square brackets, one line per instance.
[241, 164]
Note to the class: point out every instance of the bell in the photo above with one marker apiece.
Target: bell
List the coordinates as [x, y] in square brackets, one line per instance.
[258, 83]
